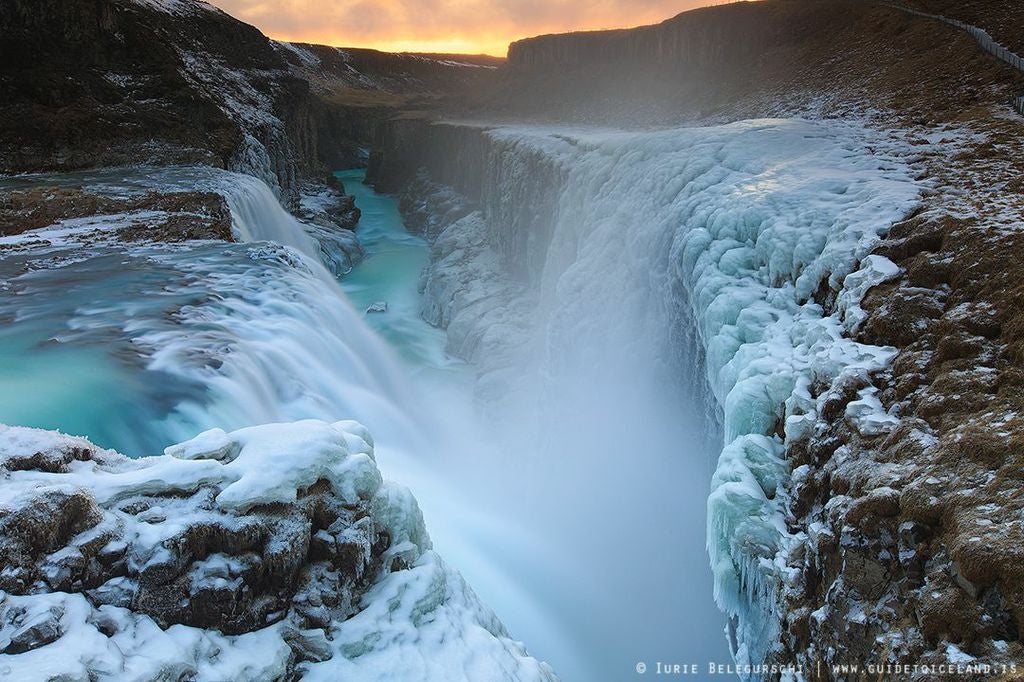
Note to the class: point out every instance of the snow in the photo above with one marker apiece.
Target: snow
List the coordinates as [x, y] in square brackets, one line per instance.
[276, 461]
[177, 7]
[305, 56]
[212, 444]
[420, 621]
[956, 656]
[404, 634]
[867, 414]
[874, 270]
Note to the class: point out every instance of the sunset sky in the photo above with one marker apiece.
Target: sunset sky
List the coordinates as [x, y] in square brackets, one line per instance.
[467, 26]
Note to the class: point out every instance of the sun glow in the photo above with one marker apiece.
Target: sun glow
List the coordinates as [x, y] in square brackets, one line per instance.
[444, 26]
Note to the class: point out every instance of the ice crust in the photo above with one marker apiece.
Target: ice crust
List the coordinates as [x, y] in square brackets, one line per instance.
[754, 218]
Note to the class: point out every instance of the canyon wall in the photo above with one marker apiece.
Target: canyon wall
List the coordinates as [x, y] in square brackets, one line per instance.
[122, 82]
[517, 187]
[720, 38]
[825, 58]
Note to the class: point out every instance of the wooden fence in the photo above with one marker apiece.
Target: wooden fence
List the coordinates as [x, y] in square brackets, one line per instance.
[985, 40]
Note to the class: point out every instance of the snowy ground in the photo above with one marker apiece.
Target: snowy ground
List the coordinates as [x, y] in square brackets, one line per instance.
[68, 613]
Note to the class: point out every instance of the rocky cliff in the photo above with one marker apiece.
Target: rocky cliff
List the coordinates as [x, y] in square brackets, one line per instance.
[121, 82]
[269, 553]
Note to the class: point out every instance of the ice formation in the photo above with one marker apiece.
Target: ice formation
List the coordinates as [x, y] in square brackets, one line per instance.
[752, 239]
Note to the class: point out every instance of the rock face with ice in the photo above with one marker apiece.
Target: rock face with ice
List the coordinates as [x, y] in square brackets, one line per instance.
[756, 250]
[736, 237]
[264, 553]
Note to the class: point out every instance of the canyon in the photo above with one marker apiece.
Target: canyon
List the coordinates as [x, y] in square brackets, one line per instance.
[745, 280]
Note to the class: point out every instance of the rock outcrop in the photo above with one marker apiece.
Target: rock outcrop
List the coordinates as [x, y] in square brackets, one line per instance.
[162, 217]
[257, 554]
[120, 82]
[201, 537]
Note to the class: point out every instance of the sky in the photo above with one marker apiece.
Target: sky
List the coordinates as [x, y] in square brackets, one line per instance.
[460, 26]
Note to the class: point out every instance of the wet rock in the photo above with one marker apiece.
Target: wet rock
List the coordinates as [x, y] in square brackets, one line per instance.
[163, 217]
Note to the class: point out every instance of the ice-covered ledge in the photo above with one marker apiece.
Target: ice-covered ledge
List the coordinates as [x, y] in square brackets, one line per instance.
[265, 553]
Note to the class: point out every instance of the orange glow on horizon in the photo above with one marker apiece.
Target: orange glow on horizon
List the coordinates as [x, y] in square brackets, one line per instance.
[445, 26]
[492, 46]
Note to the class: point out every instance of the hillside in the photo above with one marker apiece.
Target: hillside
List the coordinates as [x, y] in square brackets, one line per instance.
[113, 82]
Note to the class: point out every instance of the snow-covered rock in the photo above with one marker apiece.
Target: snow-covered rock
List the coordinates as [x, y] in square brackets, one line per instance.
[266, 553]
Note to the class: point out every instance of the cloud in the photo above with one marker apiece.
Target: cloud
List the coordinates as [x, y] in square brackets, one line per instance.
[442, 25]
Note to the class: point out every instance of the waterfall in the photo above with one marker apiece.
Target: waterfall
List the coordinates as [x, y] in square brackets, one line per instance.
[624, 296]
[257, 215]
[228, 335]
[671, 279]
[280, 340]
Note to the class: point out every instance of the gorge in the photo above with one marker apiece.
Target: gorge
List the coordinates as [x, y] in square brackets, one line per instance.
[621, 304]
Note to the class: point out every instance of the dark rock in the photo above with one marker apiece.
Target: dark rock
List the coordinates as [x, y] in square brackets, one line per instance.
[226, 570]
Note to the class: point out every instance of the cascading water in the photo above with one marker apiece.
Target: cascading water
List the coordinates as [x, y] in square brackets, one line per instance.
[584, 525]
[224, 335]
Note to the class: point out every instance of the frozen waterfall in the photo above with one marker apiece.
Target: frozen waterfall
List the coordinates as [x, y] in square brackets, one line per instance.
[672, 279]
